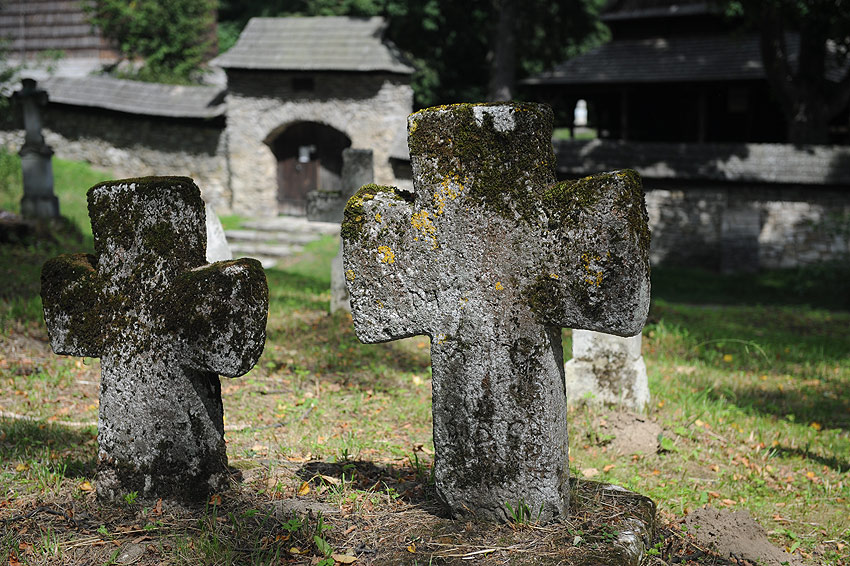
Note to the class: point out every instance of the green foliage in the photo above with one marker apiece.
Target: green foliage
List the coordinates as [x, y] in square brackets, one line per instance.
[172, 38]
[448, 42]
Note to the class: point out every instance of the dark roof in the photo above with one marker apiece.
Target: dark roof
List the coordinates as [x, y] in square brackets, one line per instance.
[655, 60]
[314, 44]
[34, 26]
[133, 97]
[635, 9]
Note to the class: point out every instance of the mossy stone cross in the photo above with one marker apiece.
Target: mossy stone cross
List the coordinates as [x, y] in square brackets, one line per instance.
[490, 258]
[164, 324]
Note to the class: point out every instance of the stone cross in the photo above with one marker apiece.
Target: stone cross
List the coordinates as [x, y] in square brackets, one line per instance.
[490, 259]
[164, 324]
[36, 156]
[607, 369]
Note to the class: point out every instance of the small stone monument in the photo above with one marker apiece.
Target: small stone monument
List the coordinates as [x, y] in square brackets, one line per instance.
[325, 205]
[356, 171]
[217, 247]
[164, 324]
[490, 258]
[36, 156]
[607, 369]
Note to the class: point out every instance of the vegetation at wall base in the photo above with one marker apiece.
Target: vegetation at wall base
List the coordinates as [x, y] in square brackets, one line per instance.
[331, 444]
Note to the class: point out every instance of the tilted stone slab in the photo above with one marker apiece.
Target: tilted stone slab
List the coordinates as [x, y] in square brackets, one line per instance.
[490, 258]
[164, 324]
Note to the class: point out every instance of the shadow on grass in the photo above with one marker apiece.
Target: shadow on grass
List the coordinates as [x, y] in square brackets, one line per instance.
[409, 484]
[824, 286]
[825, 406]
[836, 463]
[35, 440]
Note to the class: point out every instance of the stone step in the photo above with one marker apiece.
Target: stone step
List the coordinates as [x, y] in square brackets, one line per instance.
[296, 224]
[269, 236]
[262, 249]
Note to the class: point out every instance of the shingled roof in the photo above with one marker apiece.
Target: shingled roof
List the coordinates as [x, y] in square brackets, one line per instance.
[314, 44]
[681, 59]
[133, 97]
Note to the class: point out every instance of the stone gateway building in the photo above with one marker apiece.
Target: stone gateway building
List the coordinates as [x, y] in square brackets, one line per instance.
[300, 90]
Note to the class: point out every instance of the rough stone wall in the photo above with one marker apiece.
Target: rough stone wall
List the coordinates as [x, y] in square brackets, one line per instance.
[369, 108]
[728, 226]
[136, 146]
[732, 207]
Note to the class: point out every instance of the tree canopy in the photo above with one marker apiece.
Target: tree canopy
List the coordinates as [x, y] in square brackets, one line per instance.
[171, 39]
[814, 88]
[462, 50]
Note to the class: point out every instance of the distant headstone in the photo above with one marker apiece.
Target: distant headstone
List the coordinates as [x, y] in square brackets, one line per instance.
[356, 171]
[490, 259]
[38, 200]
[217, 248]
[164, 325]
[607, 369]
[325, 205]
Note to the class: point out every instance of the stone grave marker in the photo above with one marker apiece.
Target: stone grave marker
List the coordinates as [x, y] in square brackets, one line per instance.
[164, 324]
[357, 171]
[490, 258]
[607, 369]
[36, 156]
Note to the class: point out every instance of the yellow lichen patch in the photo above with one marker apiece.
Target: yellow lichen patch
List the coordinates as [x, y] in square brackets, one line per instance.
[349, 274]
[387, 255]
[378, 217]
[499, 286]
[379, 303]
[441, 338]
[447, 190]
[420, 221]
[594, 274]
[554, 276]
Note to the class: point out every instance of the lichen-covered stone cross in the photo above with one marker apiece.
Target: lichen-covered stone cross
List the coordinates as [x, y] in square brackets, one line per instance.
[164, 324]
[490, 259]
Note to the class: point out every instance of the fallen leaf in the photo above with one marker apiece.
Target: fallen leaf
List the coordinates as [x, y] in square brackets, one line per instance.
[727, 358]
[304, 489]
[13, 560]
[344, 558]
[215, 499]
[411, 547]
[157, 508]
[729, 502]
[609, 467]
[22, 468]
[86, 486]
[331, 480]
[816, 426]
[295, 550]
[590, 472]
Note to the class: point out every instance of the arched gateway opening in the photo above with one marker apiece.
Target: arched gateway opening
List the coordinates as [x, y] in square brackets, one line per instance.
[309, 157]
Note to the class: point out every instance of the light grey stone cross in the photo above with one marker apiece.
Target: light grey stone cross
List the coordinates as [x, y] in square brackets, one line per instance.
[164, 324]
[490, 259]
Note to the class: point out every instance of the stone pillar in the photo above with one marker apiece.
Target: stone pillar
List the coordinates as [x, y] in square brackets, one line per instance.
[606, 369]
[38, 200]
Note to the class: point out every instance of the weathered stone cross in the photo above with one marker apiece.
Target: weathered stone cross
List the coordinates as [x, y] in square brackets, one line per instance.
[489, 258]
[164, 324]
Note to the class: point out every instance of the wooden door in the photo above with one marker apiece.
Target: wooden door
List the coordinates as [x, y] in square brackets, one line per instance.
[294, 180]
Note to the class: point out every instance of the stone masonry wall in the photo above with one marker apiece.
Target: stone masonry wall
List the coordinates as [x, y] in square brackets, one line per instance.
[369, 108]
[741, 227]
[133, 146]
[732, 207]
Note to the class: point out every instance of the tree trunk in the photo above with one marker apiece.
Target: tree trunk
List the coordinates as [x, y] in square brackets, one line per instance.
[503, 52]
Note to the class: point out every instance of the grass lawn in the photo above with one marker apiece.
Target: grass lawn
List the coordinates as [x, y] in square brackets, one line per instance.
[750, 378]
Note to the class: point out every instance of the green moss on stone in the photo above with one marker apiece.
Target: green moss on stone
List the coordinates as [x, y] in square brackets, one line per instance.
[354, 216]
[498, 169]
[70, 284]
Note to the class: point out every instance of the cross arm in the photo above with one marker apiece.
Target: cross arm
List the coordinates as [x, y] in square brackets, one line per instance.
[388, 287]
[593, 273]
[221, 309]
[72, 297]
